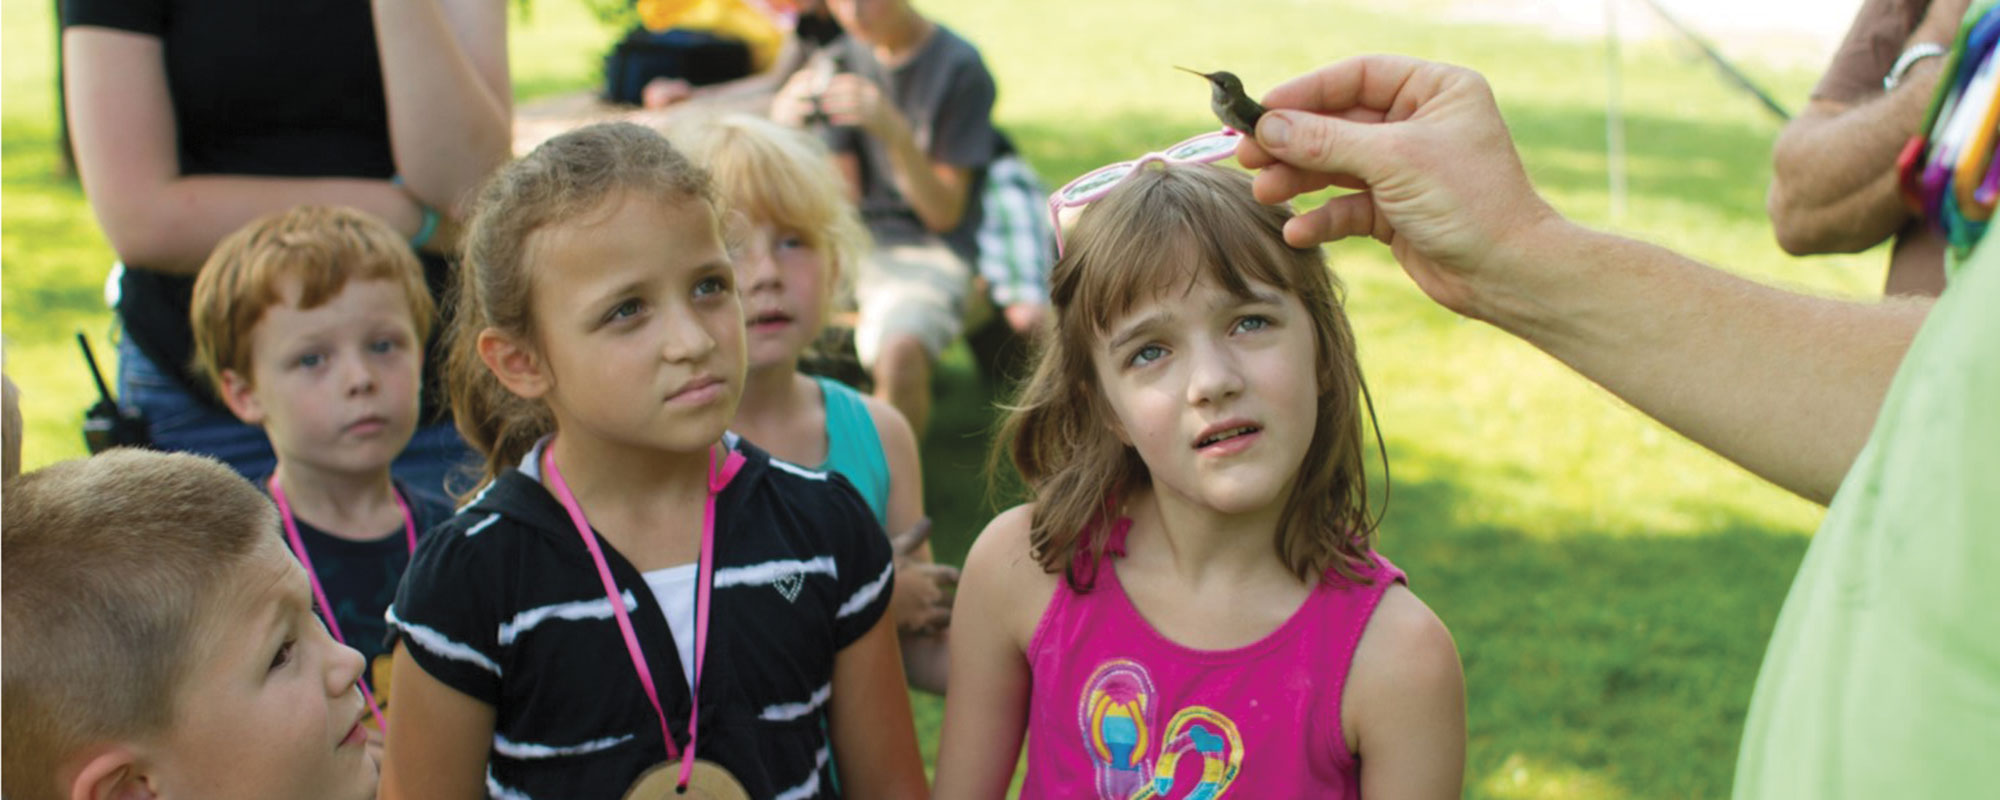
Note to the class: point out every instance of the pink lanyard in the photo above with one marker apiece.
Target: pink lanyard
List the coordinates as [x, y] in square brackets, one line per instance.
[705, 574]
[319, 593]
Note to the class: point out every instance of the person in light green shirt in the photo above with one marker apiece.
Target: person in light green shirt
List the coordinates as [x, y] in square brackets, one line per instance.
[1883, 676]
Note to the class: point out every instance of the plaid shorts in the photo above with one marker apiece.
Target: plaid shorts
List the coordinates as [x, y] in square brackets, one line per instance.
[1016, 241]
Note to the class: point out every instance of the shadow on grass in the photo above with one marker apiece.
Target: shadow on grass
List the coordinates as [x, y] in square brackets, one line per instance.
[1587, 656]
[1595, 652]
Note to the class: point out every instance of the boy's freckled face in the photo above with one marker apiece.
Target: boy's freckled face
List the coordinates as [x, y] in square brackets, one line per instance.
[639, 324]
[269, 707]
[337, 385]
[1217, 393]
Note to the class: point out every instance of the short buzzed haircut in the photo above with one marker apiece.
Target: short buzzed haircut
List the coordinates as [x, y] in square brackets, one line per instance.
[107, 566]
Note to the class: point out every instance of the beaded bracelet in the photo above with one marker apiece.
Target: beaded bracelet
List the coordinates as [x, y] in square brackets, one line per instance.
[428, 228]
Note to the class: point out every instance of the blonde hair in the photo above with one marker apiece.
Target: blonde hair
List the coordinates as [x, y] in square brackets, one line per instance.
[784, 176]
[1171, 226]
[562, 180]
[109, 565]
[321, 247]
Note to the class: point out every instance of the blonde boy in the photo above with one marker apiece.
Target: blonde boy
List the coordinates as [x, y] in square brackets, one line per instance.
[161, 643]
[311, 324]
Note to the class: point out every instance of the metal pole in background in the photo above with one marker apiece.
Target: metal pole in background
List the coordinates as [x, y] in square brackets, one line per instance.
[1729, 71]
[1614, 114]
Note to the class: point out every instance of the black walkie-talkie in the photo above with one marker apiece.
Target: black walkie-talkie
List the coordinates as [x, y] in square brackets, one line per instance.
[105, 425]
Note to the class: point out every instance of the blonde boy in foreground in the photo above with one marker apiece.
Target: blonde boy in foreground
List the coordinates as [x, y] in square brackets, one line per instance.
[161, 643]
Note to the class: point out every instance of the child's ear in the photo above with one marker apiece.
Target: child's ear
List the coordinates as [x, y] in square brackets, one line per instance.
[113, 773]
[239, 395]
[514, 363]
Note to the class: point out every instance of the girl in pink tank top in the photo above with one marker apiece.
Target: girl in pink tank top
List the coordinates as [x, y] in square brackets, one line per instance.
[1191, 606]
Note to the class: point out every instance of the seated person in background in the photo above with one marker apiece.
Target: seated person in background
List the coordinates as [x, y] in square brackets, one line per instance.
[311, 324]
[910, 124]
[811, 28]
[1833, 182]
[161, 643]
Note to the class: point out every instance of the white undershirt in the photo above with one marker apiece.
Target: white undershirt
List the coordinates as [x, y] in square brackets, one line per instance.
[673, 587]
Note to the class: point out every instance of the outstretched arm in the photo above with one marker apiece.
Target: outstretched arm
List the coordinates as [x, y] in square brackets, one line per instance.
[444, 71]
[122, 124]
[1784, 384]
[1833, 184]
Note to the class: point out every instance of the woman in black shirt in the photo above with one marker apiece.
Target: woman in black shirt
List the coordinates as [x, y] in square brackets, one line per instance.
[192, 117]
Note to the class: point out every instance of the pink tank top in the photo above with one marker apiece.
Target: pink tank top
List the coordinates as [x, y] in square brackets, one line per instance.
[1118, 711]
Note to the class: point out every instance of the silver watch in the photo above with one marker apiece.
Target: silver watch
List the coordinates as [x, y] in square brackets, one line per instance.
[1915, 53]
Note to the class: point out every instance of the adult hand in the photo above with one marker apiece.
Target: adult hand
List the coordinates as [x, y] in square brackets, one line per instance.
[922, 603]
[1437, 176]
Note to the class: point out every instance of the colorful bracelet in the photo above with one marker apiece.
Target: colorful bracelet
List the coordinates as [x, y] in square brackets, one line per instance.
[428, 228]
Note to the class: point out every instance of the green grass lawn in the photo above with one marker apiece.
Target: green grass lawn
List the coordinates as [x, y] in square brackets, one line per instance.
[1610, 586]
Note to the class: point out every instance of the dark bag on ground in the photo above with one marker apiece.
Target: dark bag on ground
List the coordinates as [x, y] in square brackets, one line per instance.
[698, 57]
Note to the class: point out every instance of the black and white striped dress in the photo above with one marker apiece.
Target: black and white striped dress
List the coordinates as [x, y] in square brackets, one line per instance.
[502, 603]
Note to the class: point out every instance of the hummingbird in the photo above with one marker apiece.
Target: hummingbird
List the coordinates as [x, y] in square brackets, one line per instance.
[1230, 104]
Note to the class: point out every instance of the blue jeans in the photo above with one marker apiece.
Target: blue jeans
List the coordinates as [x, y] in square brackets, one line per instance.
[181, 422]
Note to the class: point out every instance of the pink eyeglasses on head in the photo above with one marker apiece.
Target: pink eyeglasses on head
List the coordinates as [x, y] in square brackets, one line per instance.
[1095, 184]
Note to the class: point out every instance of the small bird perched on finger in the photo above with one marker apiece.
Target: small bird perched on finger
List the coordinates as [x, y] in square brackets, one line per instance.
[1229, 102]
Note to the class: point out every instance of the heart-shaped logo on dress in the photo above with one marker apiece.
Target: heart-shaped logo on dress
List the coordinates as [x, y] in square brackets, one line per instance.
[790, 585]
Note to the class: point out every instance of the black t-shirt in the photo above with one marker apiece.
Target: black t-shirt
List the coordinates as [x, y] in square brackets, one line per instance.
[360, 577]
[503, 604]
[288, 88]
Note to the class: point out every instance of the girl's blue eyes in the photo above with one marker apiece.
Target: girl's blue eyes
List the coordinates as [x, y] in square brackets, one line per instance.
[311, 360]
[626, 309]
[710, 286]
[706, 287]
[1147, 355]
[1153, 352]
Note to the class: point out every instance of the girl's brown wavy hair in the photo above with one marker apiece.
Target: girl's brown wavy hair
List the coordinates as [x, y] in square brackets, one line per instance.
[1171, 226]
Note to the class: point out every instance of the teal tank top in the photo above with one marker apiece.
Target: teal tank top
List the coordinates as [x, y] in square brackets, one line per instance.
[853, 447]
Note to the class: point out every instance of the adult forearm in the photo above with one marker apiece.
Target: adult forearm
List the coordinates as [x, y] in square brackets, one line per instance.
[172, 226]
[1833, 182]
[1786, 385]
[450, 106]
